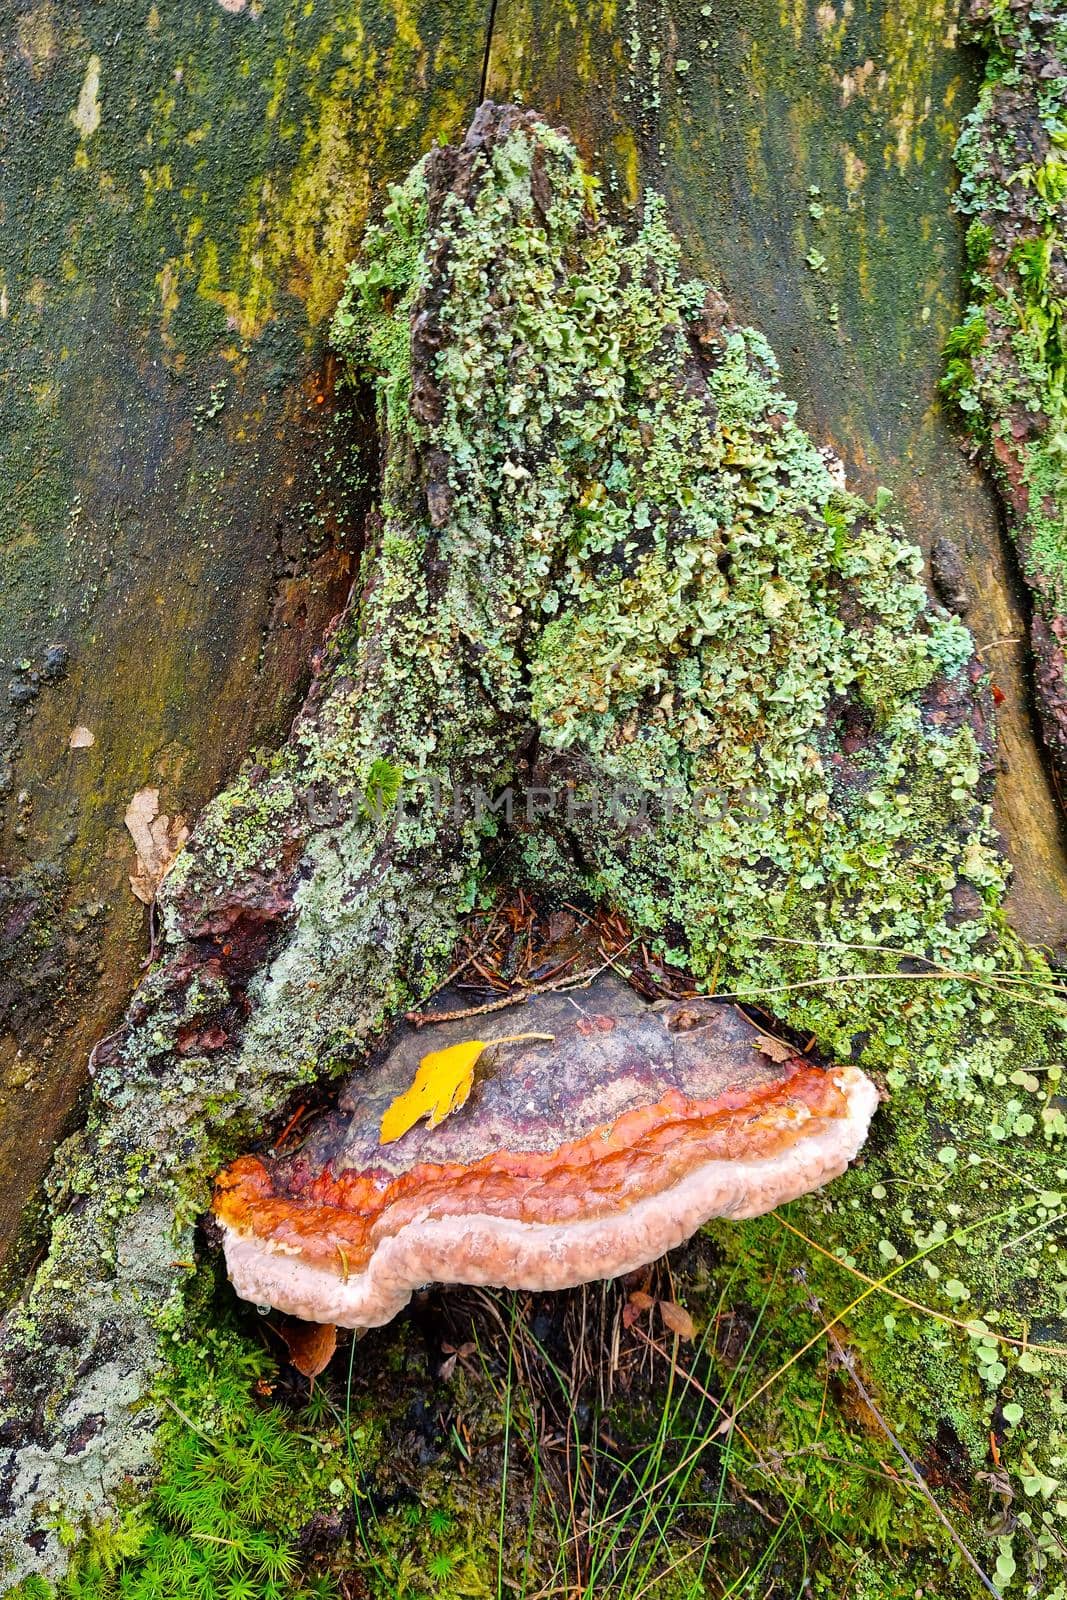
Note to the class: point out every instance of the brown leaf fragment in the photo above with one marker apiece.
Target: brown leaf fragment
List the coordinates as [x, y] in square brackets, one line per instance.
[595, 1024]
[561, 925]
[685, 1019]
[636, 1305]
[677, 1319]
[774, 1048]
[310, 1344]
[157, 837]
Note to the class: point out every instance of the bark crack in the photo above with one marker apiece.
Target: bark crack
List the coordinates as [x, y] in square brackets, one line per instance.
[490, 23]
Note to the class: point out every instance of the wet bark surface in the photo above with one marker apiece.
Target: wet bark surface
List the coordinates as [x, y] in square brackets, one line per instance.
[181, 503]
[1007, 366]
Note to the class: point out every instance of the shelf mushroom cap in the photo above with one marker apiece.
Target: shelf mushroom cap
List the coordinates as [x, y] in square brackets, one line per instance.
[573, 1160]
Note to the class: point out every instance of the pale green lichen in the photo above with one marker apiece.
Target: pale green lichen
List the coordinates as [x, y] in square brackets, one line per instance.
[670, 584]
[575, 430]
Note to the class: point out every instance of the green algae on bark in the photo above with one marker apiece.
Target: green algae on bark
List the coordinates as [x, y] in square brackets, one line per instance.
[619, 632]
[182, 188]
[1007, 359]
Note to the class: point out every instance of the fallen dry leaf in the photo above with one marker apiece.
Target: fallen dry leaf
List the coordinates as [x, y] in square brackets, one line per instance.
[686, 1019]
[774, 1048]
[452, 1354]
[636, 1305]
[677, 1319]
[158, 839]
[441, 1085]
[310, 1344]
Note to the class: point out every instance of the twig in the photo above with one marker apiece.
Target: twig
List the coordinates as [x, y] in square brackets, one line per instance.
[189, 1423]
[468, 958]
[990, 643]
[945, 976]
[873, 1287]
[687, 1377]
[1008, 974]
[287, 1130]
[422, 1019]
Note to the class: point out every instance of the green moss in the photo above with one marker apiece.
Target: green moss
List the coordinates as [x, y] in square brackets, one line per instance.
[958, 1207]
[1007, 361]
[236, 1487]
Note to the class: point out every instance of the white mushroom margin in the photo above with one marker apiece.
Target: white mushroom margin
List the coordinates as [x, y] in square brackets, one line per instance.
[500, 1252]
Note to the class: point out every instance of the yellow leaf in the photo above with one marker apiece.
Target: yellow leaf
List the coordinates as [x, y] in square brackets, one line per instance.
[442, 1085]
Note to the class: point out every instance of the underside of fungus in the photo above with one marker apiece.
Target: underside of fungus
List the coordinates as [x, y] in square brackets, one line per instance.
[578, 1157]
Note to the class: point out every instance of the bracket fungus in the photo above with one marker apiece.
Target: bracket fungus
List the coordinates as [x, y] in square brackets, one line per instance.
[573, 1159]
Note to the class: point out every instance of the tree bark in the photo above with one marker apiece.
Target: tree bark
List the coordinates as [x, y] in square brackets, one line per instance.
[182, 192]
[183, 236]
[300, 918]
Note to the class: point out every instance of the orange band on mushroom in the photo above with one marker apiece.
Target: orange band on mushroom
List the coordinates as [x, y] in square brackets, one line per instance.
[335, 1221]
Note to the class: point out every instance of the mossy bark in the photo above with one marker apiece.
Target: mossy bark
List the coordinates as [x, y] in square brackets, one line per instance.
[806, 153]
[607, 563]
[1008, 357]
[185, 191]
[182, 188]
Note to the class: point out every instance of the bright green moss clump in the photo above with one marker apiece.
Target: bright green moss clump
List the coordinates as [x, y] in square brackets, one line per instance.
[1007, 360]
[237, 1487]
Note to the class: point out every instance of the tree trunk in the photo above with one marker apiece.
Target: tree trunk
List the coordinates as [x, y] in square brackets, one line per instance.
[182, 192]
[201, 493]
